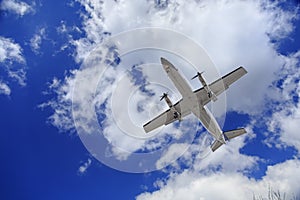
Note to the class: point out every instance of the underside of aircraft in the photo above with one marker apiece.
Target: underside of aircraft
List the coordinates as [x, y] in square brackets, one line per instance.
[193, 102]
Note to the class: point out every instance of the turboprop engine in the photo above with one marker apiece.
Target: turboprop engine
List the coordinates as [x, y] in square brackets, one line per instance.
[176, 114]
[210, 93]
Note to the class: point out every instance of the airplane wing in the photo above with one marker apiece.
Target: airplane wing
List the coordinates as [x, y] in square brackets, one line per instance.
[167, 117]
[220, 85]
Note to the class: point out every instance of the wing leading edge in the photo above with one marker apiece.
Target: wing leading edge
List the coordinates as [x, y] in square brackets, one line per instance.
[220, 85]
[167, 117]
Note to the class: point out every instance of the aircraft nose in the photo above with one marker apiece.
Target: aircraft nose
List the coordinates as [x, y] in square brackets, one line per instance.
[165, 63]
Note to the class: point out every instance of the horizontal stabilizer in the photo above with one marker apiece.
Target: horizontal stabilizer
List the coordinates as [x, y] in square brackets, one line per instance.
[227, 136]
[234, 133]
[215, 145]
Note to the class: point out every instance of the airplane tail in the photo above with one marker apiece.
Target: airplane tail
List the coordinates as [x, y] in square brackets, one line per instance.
[227, 136]
[215, 145]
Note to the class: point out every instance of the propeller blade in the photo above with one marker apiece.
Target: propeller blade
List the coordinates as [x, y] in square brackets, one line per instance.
[195, 76]
[198, 74]
[163, 96]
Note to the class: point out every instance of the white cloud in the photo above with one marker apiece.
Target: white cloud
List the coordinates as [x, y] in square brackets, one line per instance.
[172, 153]
[13, 62]
[36, 40]
[285, 121]
[192, 185]
[63, 90]
[199, 157]
[83, 168]
[245, 40]
[284, 126]
[62, 29]
[18, 75]
[4, 88]
[228, 158]
[17, 7]
[67, 32]
[10, 51]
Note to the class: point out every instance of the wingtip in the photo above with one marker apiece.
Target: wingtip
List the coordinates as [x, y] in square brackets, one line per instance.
[244, 130]
[241, 67]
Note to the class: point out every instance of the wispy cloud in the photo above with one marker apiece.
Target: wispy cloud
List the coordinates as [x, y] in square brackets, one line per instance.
[62, 104]
[84, 167]
[12, 63]
[67, 32]
[17, 7]
[10, 51]
[36, 40]
[4, 89]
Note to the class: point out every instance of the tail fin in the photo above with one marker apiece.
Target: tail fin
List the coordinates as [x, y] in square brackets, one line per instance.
[227, 136]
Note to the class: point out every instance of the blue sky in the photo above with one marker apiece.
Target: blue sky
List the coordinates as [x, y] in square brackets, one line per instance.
[46, 70]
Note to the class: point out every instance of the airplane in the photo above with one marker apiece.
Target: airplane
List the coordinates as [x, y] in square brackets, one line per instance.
[195, 101]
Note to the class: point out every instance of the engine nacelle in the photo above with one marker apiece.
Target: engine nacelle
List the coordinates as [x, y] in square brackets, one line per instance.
[176, 114]
[210, 94]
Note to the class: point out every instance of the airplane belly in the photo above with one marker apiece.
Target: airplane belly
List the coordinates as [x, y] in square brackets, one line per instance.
[209, 122]
[179, 82]
[189, 98]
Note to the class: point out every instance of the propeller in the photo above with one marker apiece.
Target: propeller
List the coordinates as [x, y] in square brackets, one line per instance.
[163, 96]
[198, 74]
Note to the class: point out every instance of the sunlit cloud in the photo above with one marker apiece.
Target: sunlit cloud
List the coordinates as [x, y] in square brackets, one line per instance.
[12, 63]
[17, 7]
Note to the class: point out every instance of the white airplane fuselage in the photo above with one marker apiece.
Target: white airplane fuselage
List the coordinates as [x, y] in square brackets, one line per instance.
[191, 102]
